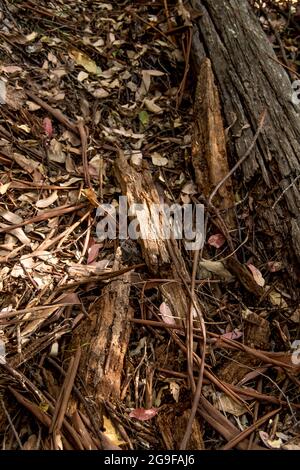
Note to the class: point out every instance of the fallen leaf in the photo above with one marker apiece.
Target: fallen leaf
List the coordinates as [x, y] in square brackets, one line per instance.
[277, 299]
[10, 69]
[166, 314]
[175, 390]
[4, 187]
[234, 335]
[270, 443]
[93, 253]
[31, 37]
[152, 106]
[2, 352]
[85, 61]
[100, 93]
[142, 414]
[11, 217]
[32, 106]
[42, 203]
[275, 266]
[189, 188]
[226, 404]
[296, 316]
[144, 118]
[158, 160]
[47, 125]
[114, 441]
[82, 76]
[136, 158]
[216, 267]
[217, 240]
[257, 276]
[55, 152]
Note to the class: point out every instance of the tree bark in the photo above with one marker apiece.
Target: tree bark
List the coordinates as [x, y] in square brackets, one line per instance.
[250, 79]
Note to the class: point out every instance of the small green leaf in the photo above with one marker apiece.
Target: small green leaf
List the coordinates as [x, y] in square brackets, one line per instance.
[144, 118]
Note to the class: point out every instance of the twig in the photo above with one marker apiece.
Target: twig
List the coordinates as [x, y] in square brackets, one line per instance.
[11, 424]
[85, 164]
[242, 159]
[55, 112]
[45, 216]
[284, 191]
[62, 402]
[241, 436]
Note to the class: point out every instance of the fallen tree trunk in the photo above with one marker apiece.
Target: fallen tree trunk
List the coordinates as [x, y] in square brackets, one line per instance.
[250, 80]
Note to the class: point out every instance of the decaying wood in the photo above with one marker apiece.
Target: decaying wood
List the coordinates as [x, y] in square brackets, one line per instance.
[209, 154]
[103, 337]
[250, 79]
[162, 256]
[172, 424]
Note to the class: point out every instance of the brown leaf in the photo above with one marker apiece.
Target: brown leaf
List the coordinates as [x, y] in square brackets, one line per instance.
[257, 276]
[142, 414]
[217, 240]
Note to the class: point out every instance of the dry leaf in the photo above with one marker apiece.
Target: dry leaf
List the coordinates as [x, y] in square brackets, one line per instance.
[42, 203]
[113, 440]
[216, 267]
[142, 414]
[55, 152]
[93, 253]
[296, 316]
[226, 404]
[270, 443]
[4, 187]
[166, 314]
[47, 125]
[10, 68]
[233, 335]
[11, 217]
[152, 106]
[175, 390]
[85, 61]
[158, 160]
[217, 240]
[277, 299]
[257, 276]
[275, 266]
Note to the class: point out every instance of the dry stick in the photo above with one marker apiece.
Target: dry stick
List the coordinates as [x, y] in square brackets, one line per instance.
[85, 164]
[256, 410]
[242, 159]
[80, 397]
[11, 424]
[197, 394]
[230, 173]
[100, 277]
[62, 403]
[45, 216]
[186, 69]
[240, 437]
[55, 112]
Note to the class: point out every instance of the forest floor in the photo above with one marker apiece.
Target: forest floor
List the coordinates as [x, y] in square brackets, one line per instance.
[97, 102]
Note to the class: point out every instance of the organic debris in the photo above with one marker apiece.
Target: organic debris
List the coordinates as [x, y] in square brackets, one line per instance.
[117, 343]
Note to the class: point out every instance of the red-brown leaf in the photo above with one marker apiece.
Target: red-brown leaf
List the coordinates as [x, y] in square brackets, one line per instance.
[47, 125]
[217, 240]
[143, 415]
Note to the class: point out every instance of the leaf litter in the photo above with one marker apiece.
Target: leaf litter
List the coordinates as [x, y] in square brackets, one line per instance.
[120, 71]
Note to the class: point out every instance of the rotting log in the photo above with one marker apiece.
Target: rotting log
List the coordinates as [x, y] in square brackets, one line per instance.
[250, 80]
[162, 256]
[103, 337]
